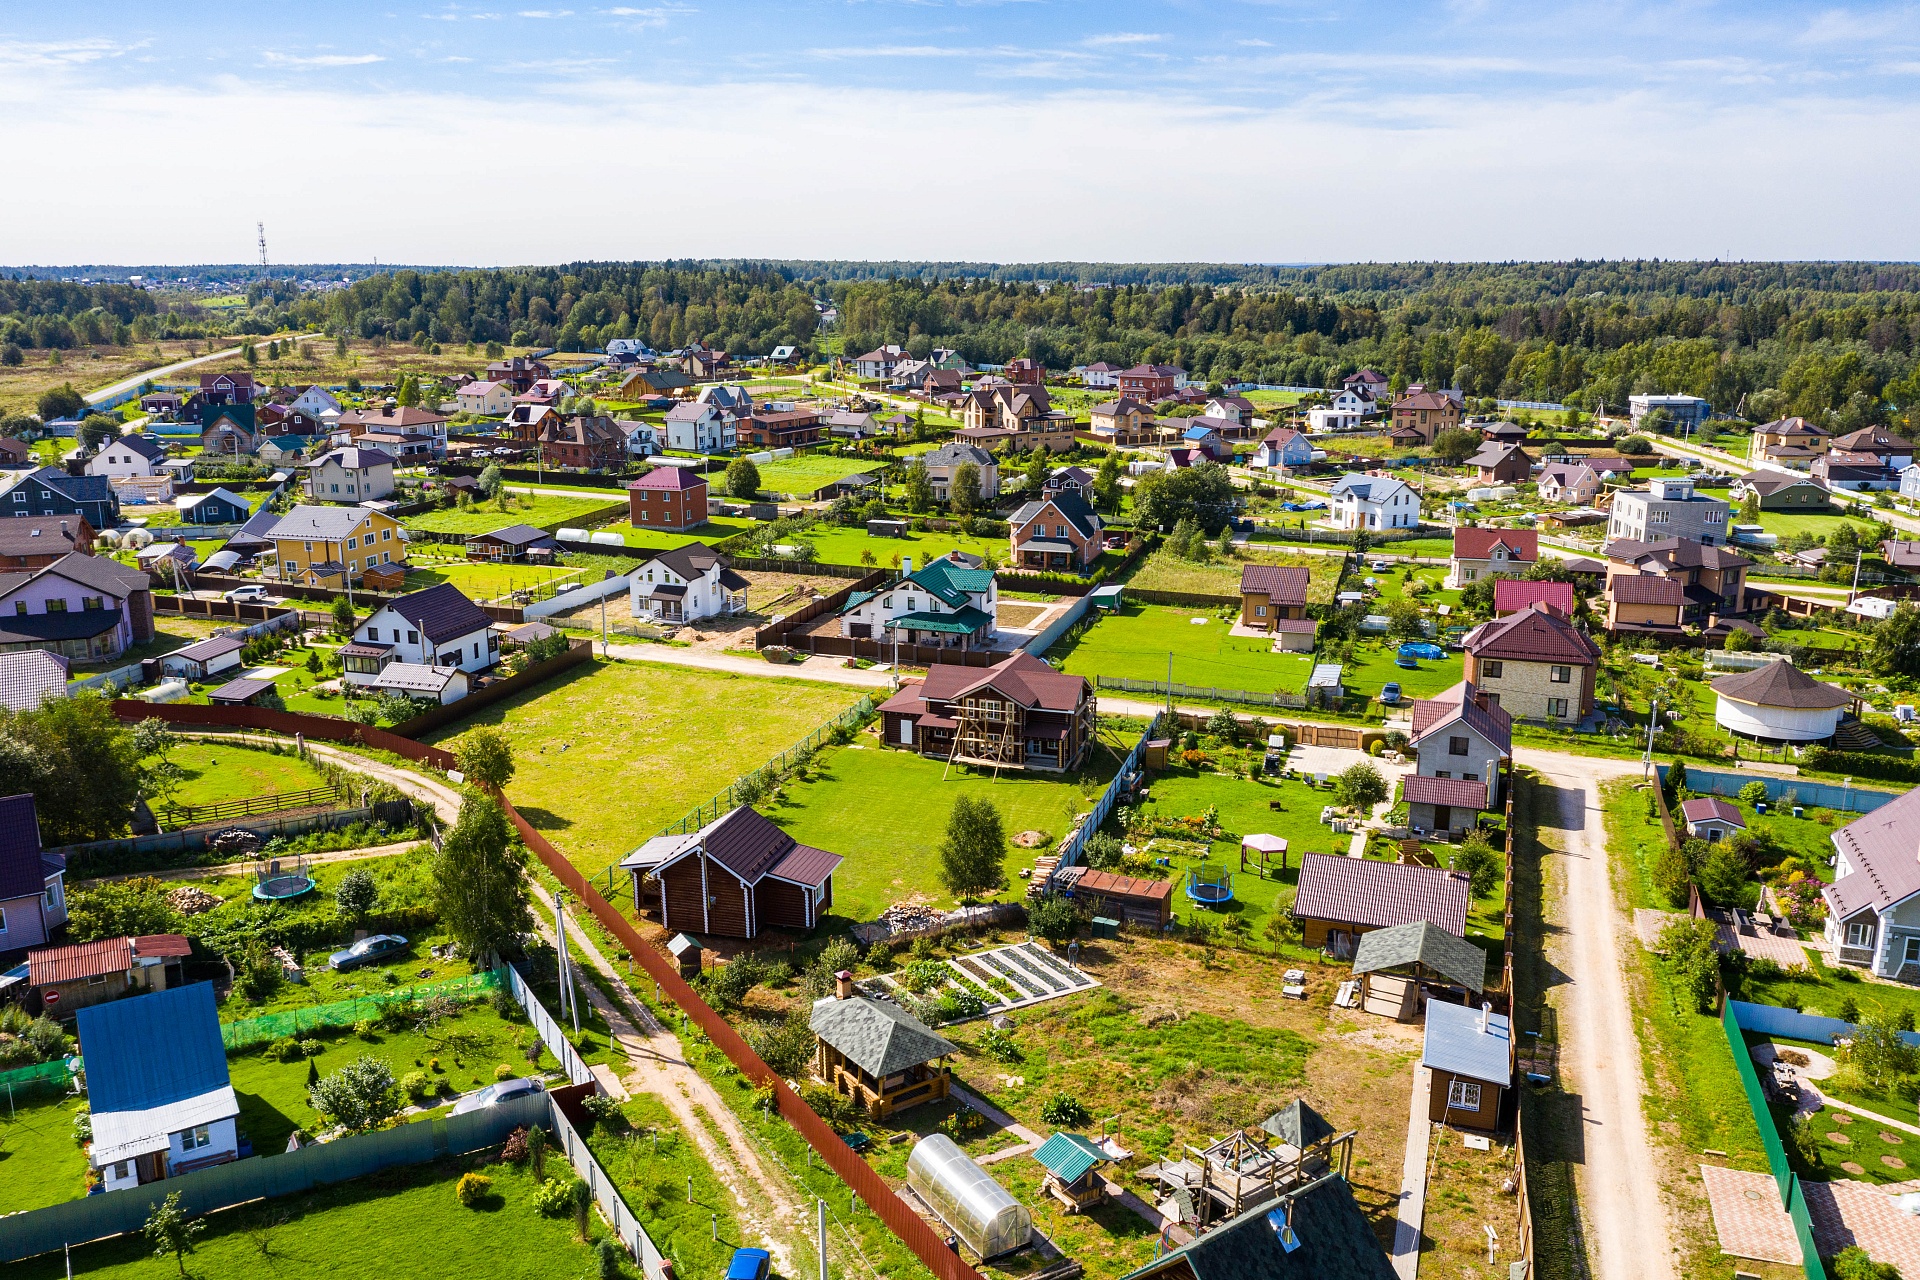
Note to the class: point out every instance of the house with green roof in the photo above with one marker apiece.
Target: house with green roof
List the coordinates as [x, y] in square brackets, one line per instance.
[951, 603]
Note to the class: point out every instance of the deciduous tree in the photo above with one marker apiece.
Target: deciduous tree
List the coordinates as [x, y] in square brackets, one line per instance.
[479, 880]
[973, 854]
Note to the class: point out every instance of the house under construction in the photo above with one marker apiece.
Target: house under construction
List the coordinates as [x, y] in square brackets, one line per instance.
[1016, 714]
[1291, 1148]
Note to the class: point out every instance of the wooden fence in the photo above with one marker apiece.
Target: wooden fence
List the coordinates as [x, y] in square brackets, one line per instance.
[275, 802]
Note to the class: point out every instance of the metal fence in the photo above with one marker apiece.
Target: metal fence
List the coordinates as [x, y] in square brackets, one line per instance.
[1792, 1198]
[613, 1206]
[1814, 795]
[1161, 689]
[119, 1212]
[1060, 626]
[1771, 1020]
[552, 1034]
[345, 1013]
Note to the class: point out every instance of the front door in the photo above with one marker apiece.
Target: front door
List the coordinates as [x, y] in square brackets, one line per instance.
[1442, 817]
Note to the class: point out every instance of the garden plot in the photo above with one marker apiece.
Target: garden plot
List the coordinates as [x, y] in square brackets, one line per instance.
[1003, 978]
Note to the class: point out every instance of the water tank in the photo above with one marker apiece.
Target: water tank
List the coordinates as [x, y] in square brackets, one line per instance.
[979, 1210]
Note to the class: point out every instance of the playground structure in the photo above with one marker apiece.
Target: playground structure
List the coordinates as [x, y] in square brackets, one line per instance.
[1209, 885]
[274, 882]
[1200, 1187]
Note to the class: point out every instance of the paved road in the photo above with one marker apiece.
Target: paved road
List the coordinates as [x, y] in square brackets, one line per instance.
[128, 384]
[1623, 1219]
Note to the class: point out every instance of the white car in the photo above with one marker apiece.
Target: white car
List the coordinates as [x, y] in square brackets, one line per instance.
[251, 593]
[495, 1094]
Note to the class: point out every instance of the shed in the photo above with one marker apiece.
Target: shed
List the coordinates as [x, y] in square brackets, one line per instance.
[1072, 1162]
[886, 528]
[1324, 684]
[1105, 597]
[1132, 898]
[1340, 899]
[687, 953]
[204, 658]
[876, 1053]
[1470, 1052]
[243, 692]
[1394, 964]
[1314, 1232]
[1711, 818]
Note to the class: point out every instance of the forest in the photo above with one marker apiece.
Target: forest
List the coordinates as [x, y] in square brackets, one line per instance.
[1831, 341]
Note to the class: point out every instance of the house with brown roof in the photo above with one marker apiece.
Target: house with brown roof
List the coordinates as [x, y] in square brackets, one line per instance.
[437, 627]
[1535, 665]
[1646, 604]
[1779, 702]
[1853, 471]
[1713, 579]
[686, 584]
[1338, 899]
[1012, 408]
[1782, 491]
[1490, 553]
[398, 420]
[1058, 532]
[736, 877]
[1123, 421]
[1711, 818]
[1511, 595]
[1788, 442]
[591, 444]
[1273, 598]
[1017, 714]
[1501, 464]
[1420, 415]
[781, 428]
[1890, 449]
[1873, 904]
[1150, 383]
[86, 973]
[35, 542]
[1461, 741]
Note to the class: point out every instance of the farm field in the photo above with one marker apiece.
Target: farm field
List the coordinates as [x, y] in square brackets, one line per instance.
[314, 361]
[1164, 571]
[22, 385]
[885, 811]
[542, 512]
[799, 476]
[402, 1223]
[609, 753]
[1135, 641]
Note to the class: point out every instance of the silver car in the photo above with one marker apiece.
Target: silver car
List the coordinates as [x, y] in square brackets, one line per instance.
[495, 1094]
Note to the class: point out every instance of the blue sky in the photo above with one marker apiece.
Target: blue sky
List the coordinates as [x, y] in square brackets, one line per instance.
[1283, 130]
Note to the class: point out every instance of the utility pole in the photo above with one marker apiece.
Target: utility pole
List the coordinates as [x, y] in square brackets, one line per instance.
[1854, 590]
[820, 1215]
[1653, 720]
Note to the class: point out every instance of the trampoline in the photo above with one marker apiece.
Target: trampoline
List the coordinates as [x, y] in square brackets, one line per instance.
[1209, 885]
[273, 883]
[1421, 649]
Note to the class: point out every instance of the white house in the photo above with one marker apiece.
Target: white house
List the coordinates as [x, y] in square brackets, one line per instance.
[1873, 904]
[1100, 374]
[488, 399]
[438, 627]
[351, 475]
[1373, 502]
[204, 659]
[685, 585]
[878, 363]
[1910, 483]
[642, 440]
[946, 603]
[161, 1101]
[694, 427]
[127, 456]
[418, 680]
[317, 402]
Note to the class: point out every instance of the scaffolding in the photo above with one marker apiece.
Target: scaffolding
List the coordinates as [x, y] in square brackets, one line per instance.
[988, 735]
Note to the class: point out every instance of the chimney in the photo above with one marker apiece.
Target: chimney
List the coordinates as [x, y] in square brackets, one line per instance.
[1486, 1015]
[843, 985]
[906, 566]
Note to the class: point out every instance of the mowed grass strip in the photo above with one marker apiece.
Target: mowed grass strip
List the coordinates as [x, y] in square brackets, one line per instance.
[1135, 642]
[802, 475]
[485, 517]
[611, 752]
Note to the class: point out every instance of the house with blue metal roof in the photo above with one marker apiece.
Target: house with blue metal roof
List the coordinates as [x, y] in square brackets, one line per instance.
[157, 1084]
[1470, 1053]
[948, 603]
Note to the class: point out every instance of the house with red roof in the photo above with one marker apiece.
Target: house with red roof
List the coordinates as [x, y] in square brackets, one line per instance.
[670, 498]
[1711, 818]
[1511, 595]
[1490, 553]
[73, 977]
[1341, 898]
[1461, 742]
[1151, 383]
[1016, 714]
[1534, 665]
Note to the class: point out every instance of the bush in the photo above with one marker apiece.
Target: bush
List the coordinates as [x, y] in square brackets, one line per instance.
[1104, 852]
[1053, 918]
[1688, 946]
[1853, 1263]
[503, 1072]
[556, 1196]
[1479, 863]
[414, 1084]
[472, 1189]
[1001, 1046]
[923, 976]
[606, 1259]
[1065, 1111]
[514, 1150]
[82, 1126]
[1754, 792]
[786, 1046]
[604, 1110]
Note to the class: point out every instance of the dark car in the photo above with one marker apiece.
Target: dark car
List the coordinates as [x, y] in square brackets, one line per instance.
[369, 950]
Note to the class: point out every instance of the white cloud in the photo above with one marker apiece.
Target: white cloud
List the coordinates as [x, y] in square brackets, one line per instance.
[1256, 44]
[51, 55]
[1123, 37]
[894, 51]
[546, 13]
[323, 59]
[1855, 26]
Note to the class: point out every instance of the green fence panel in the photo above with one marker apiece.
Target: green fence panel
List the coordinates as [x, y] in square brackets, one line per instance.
[1757, 1100]
[1803, 1228]
[39, 1073]
[344, 1013]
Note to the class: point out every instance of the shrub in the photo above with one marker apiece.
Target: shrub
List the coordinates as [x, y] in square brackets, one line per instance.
[1754, 792]
[957, 1005]
[1104, 852]
[606, 1259]
[1053, 918]
[472, 1188]
[1001, 1046]
[555, 1197]
[414, 1085]
[1479, 863]
[514, 1150]
[1065, 1111]
[1853, 1263]
[503, 1072]
[963, 1121]
[604, 1110]
[358, 1096]
[786, 1046]
[82, 1126]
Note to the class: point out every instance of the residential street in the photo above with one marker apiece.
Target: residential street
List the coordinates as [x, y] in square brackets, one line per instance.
[1622, 1219]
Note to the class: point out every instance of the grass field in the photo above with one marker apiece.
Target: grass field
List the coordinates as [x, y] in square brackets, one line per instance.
[844, 545]
[484, 518]
[40, 1163]
[22, 385]
[652, 1178]
[217, 772]
[1371, 666]
[886, 813]
[1164, 571]
[481, 580]
[717, 529]
[1787, 523]
[611, 752]
[400, 1223]
[799, 476]
[1134, 643]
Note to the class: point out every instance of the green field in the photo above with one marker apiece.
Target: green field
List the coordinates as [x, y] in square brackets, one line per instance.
[799, 476]
[1134, 643]
[484, 580]
[885, 811]
[1218, 576]
[1372, 666]
[1787, 523]
[610, 752]
[716, 529]
[214, 772]
[543, 512]
[40, 1163]
[836, 544]
[399, 1224]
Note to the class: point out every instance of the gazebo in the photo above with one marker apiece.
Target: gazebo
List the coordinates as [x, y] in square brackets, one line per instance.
[1779, 703]
[1393, 966]
[1263, 848]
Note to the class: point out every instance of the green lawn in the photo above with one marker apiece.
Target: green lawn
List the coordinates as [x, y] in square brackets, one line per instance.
[1372, 666]
[846, 544]
[543, 512]
[481, 580]
[215, 771]
[1134, 643]
[1164, 571]
[610, 752]
[716, 529]
[1787, 523]
[799, 476]
[1844, 1140]
[650, 1161]
[885, 811]
[396, 1224]
[40, 1163]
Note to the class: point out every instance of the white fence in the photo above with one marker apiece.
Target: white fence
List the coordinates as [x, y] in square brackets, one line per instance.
[616, 585]
[551, 1033]
[119, 678]
[625, 1226]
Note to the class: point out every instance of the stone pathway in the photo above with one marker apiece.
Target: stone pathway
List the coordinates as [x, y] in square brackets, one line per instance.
[1748, 1217]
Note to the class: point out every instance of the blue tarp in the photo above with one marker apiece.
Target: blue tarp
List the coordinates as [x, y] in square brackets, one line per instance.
[1420, 649]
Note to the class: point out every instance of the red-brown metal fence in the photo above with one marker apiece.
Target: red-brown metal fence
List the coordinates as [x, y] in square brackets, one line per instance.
[899, 1218]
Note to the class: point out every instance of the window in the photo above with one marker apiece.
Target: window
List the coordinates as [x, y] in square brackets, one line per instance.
[1491, 670]
[1456, 746]
[195, 1138]
[1259, 611]
[1471, 777]
[413, 637]
[386, 535]
[19, 606]
[352, 543]
[3, 919]
[1561, 675]
[1557, 707]
[1912, 952]
[56, 606]
[1443, 773]
[1463, 1095]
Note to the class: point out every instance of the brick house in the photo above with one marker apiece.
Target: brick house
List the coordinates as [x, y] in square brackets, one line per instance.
[736, 877]
[781, 428]
[671, 498]
[227, 388]
[588, 443]
[1422, 415]
[1150, 382]
[1059, 532]
[1644, 603]
[1534, 665]
[1273, 598]
[1484, 553]
[1124, 421]
[1712, 579]
[518, 372]
[1016, 714]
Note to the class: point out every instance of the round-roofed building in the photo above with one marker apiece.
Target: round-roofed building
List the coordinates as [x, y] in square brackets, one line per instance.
[1779, 703]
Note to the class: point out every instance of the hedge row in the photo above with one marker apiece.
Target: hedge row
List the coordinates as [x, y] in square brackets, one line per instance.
[1862, 764]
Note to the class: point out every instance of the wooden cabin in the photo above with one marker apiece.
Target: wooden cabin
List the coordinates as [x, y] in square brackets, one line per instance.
[877, 1054]
[1341, 899]
[734, 877]
[1470, 1052]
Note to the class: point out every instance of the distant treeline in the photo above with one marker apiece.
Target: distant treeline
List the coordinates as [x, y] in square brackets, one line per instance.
[1833, 341]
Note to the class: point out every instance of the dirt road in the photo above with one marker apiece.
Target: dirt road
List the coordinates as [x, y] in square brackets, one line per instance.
[1622, 1217]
